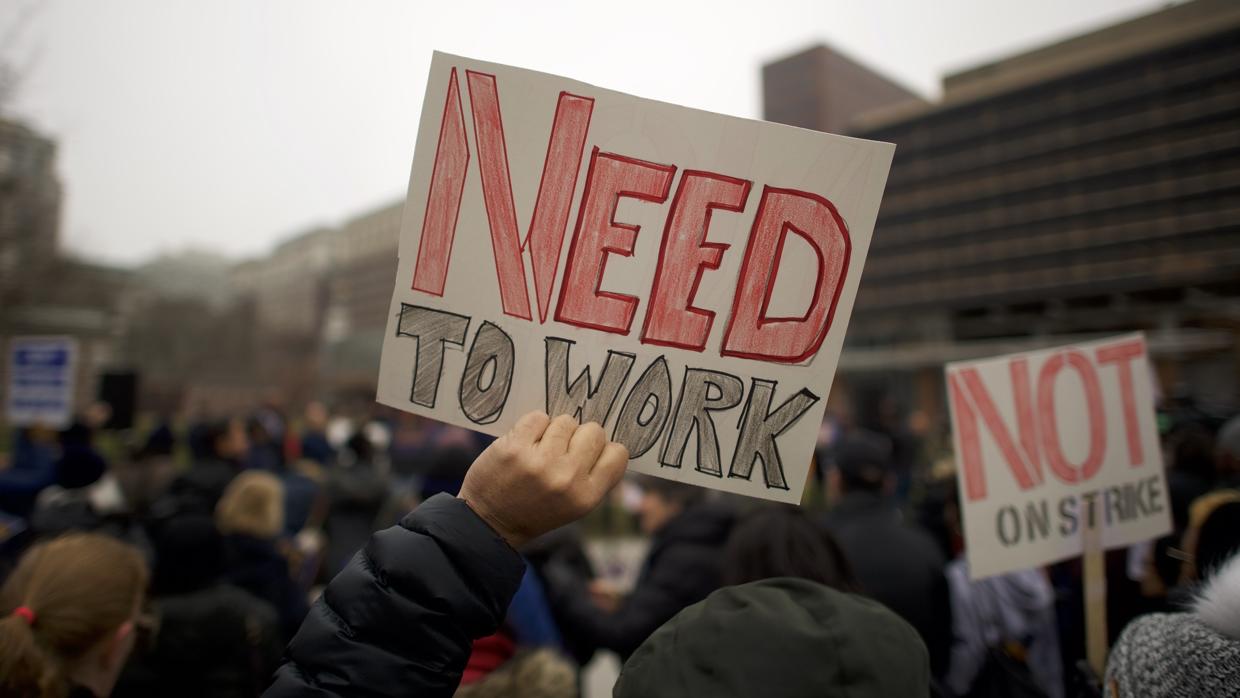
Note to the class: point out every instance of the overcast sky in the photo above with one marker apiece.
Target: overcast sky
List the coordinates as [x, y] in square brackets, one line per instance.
[228, 125]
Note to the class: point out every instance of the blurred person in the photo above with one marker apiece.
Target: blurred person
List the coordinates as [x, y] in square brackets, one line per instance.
[523, 657]
[339, 429]
[196, 433]
[782, 541]
[1190, 470]
[906, 446]
[687, 536]
[212, 638]
[1004, 626]
[305, 510]
[451, 566]
[117, 504]
[539, 673]
[562, 550]
[270, 417]
[314, 443]
[895, 562]
[304, 499]
[356, 493]
[161, 441]
[32, 468]
[409, 452]
[1193, 653]
[199, 489]
[80, 464]
[1227, 454]
[250, 515]
[938, 510]
[266, 451]
[445, 470]
[1213, 536]
[72, 611]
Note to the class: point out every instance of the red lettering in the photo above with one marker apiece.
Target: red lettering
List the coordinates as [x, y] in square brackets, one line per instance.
[1050, 429]
[1122, 355]
[1026, 467]
[555, 193]
[443, 202]
[671, 318]
[551, 208]
[497, 193]
[751, 334]
[968, 445]
[610, 177]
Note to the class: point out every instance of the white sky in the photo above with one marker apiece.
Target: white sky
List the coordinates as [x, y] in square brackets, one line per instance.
[228, 125]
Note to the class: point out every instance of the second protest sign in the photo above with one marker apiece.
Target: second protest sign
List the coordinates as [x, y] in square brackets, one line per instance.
[1056, 448]
[681, 277]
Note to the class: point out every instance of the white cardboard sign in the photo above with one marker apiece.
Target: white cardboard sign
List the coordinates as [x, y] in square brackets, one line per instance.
[681, 277]
[1054, 448]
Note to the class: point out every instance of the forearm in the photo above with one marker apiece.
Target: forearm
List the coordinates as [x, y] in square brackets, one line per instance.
[406, 609]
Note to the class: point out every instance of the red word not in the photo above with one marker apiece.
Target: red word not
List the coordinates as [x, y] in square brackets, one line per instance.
[1038, 441]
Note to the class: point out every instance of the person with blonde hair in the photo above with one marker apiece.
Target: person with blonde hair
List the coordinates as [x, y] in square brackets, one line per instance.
[251, 517]
[72, 610]
[252, 505]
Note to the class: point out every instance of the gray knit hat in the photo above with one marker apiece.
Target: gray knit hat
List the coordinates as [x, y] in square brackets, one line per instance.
[1197, 654]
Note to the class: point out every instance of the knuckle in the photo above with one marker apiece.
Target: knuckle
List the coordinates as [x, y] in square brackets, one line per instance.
[560, 484]
[505, 449]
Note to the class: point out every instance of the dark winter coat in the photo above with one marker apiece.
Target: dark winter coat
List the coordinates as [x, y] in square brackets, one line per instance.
[258, 567]
[357, 496]
[400, 619]
[898, 565]
[216, 641]
[682, 568]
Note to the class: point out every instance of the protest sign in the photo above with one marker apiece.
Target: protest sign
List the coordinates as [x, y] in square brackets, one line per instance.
[681, 277]
[1057, 451]
[41, 379]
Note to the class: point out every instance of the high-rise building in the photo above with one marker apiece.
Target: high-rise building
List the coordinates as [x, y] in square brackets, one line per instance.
[1088, 187]
[360, 291]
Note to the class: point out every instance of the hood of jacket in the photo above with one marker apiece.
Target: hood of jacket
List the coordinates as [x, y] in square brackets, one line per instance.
[1218, 604]
[779, 637]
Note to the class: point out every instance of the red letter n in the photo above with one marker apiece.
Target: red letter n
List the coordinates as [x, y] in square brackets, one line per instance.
[751, 334]
[671, 318]
[1025, 463]
[609, 178]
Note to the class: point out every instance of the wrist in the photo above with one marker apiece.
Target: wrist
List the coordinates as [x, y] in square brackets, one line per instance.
[509, 536]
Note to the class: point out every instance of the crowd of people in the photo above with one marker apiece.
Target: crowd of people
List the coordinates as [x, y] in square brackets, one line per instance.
[239, 555]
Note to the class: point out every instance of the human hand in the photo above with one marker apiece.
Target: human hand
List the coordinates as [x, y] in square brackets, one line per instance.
[541, 475]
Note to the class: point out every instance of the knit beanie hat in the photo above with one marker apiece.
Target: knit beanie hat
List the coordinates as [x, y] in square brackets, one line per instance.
[779, 638]
[1167, 655]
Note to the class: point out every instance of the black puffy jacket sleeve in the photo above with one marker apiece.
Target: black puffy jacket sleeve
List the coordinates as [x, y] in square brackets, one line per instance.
[400, 619]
